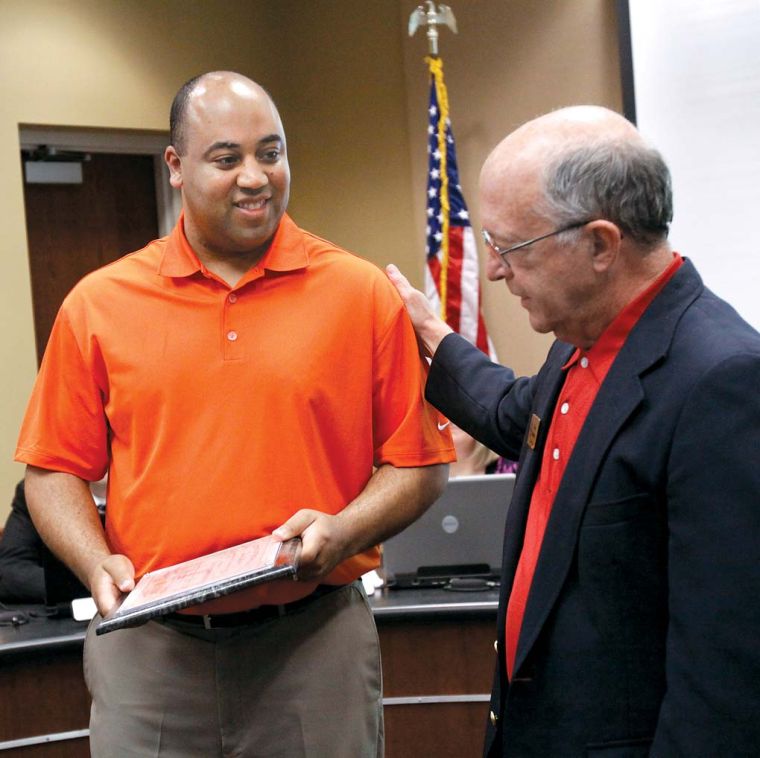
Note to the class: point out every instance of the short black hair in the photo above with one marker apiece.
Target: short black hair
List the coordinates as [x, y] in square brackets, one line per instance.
[178, 112]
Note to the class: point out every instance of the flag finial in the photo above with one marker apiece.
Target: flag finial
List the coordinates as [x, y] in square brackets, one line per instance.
[432, 17]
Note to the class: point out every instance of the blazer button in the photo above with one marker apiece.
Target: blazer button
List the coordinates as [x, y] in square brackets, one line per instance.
[494, 718]
[496, 645]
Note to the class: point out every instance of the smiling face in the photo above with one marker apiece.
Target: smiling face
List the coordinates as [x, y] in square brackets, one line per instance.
[233, 170]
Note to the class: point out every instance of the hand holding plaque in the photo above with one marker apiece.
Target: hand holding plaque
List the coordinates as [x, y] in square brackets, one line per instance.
[205, 578]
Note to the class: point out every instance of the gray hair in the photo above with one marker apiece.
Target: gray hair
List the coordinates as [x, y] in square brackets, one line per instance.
[626, 182]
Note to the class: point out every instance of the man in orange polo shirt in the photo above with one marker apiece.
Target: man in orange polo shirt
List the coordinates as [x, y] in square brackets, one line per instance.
[628, 616]
[238, 378]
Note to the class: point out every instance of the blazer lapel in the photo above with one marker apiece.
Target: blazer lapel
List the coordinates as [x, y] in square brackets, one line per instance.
[530, 465]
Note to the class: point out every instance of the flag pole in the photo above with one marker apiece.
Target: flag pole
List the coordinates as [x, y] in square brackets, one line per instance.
[452, 270]
[432, 17]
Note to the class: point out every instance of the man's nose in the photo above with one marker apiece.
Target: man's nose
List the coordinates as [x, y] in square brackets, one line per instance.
[252, 175]
[496, 269]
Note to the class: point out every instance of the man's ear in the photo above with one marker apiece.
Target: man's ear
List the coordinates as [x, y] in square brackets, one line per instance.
[606, 238]
[174, 162]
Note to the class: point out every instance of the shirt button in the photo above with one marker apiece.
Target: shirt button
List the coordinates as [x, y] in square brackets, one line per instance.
[555, 453]
[232, 297]
[231, 336]
[565, 408]
[584, 362]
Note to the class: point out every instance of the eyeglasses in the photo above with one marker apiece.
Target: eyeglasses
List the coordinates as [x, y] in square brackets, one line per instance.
[504, 251]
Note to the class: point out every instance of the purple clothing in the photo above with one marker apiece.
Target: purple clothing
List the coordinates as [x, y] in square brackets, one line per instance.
[502, 466]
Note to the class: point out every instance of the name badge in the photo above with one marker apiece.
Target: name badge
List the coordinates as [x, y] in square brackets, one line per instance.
[535, 423]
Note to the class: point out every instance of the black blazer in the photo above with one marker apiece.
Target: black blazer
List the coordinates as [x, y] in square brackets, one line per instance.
[641, 634]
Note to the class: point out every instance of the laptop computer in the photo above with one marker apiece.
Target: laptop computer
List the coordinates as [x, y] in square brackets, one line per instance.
[459, 536]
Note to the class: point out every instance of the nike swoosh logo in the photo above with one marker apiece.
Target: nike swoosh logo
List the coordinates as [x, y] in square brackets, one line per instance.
[441, 426]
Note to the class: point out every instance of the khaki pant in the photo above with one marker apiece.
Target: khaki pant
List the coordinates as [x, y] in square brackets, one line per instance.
[306, 684]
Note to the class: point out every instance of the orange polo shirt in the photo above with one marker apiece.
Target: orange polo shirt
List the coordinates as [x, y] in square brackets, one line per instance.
[586, 371]
[220, 411]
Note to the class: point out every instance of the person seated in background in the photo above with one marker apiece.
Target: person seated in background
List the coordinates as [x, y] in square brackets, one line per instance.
[22, 577]
[21, 550]
[474, 458]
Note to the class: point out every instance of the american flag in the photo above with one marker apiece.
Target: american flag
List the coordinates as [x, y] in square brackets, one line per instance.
[452, 281]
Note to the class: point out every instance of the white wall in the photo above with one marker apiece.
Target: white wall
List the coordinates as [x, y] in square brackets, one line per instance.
[697, 84]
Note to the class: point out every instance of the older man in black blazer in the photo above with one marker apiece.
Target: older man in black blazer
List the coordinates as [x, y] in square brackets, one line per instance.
[629, 621]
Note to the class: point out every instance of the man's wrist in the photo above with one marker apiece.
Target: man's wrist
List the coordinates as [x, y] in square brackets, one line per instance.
[432, 333]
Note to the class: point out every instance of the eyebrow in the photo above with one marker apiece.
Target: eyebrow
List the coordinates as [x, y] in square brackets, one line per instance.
[271, 138]
[225, 145]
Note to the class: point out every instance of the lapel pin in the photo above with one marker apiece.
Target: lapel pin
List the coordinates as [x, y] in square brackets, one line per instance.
[535, 423]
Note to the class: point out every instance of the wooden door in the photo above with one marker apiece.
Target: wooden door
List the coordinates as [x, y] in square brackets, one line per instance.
[73, 229]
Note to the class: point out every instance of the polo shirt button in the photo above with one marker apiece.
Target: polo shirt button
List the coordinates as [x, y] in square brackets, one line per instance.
[232, 297]
[231, 336]
[494, 718]
[584, 362]
[555, 453]
[565, 408]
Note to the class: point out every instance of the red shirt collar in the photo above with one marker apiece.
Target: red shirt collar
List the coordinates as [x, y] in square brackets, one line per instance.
[604, 350]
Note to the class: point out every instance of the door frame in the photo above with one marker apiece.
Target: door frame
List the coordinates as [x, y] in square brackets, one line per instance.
[168, 200]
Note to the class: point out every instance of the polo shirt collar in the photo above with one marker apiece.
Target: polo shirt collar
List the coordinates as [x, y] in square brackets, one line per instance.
[286, 253]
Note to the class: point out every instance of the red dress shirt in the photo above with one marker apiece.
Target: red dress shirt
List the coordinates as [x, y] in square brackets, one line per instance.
[586, 371]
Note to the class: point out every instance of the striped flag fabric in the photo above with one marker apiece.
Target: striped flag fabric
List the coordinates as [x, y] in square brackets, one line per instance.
[452, 280]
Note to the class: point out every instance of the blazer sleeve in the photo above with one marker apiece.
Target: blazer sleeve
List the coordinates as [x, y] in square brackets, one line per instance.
[713, 495]
[483, 398]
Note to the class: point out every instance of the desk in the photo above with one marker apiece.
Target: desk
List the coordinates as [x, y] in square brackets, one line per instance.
[45, 704]
[437, 651]
[438, 663]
